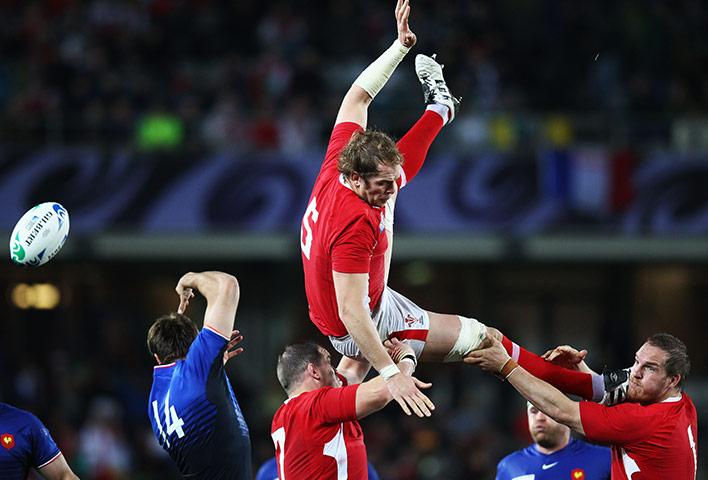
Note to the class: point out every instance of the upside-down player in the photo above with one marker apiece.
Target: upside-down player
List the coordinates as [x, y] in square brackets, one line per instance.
[345, 236]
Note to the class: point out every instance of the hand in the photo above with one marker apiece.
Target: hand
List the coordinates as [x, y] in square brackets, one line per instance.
[405, 35]
[405, 391]
[396, 349]
[566, 356]
[230, 352]
[490, 359]
[185, 293]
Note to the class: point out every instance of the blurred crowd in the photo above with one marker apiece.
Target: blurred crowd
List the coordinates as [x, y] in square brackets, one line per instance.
[88, 375]
[255, 76]
[85, 371]
[252, 75]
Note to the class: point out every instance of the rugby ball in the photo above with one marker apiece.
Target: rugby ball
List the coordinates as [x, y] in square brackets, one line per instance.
[39, 234]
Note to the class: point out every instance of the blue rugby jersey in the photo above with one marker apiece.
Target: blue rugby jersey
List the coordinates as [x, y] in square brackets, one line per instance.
[25, 442]
[576, 461]
[195, 415]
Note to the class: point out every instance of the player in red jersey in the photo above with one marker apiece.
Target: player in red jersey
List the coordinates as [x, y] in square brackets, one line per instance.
[346, 234]
[653, 434]
[316, 432]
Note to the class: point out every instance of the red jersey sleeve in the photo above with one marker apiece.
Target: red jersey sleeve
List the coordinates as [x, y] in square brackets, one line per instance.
[620, 424]
[352, 251]
[341, 134]
[335, 405]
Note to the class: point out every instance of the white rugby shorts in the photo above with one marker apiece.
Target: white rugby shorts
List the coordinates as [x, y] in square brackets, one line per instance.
[395, 316]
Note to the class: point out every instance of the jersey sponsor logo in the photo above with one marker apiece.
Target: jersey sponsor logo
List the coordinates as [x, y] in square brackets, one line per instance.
[7, 440]
[577, 474]
[411, 320]
[550, 465]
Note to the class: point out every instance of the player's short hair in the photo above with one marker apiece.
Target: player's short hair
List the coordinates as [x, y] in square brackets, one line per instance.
[677, 362]
[293, 362]
[366, 151]
[171, 336]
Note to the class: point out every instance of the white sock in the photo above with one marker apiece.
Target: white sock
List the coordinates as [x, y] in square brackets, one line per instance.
[441, 110]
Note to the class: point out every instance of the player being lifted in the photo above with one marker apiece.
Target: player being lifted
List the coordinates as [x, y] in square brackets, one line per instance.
[345, 237]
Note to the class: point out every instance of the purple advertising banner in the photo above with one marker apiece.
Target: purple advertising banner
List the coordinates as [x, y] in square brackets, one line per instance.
[583, 190]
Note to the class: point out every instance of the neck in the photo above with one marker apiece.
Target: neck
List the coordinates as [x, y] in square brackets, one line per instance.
[549, 450]
[303, 387]
[671, 393]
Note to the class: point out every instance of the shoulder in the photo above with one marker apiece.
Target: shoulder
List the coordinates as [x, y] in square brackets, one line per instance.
[518, 456]
[324, 399]
[583, 446]
[342, 133]
[20, 415]
[687, 402]
[208, 339]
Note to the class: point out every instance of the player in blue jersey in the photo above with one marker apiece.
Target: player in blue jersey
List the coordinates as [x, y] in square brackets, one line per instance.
[192, 407]
[555, 454]
[27, 444]
[269, 471]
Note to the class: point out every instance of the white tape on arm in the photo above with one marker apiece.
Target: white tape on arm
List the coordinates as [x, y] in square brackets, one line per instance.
[375, 76]
[389, 371]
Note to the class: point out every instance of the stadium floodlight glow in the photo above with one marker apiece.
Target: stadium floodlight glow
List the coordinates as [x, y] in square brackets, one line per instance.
[40, 296]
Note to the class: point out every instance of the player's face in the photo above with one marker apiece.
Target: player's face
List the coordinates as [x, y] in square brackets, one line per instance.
[545, 431]
[329, 376]
[378, 189]
[648, 382]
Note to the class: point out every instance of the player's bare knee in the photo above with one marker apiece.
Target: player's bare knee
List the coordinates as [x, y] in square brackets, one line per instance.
[472, 334]
[494, 333]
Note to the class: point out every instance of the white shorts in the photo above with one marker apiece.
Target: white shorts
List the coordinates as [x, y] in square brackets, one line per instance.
[395, 316]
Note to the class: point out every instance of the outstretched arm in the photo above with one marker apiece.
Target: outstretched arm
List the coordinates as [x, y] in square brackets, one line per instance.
[373, 395]
[547, 398]
[351, 289]
[222, 293]
[356, 102]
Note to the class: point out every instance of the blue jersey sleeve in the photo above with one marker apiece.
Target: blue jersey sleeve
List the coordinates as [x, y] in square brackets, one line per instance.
[44, 450]
[268, 471]
[204, 350]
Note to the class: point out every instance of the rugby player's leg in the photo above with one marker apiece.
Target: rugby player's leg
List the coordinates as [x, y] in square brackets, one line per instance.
[451, 337]
[416, 142]
[585, 385]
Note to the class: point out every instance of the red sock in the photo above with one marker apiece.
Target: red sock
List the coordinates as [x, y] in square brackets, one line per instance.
[584, 385]
[415, 144]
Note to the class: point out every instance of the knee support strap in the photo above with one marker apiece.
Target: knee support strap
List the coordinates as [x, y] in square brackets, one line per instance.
[472, 334]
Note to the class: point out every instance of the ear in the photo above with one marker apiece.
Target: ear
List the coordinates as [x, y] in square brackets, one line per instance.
[674, 380]
[313, 371]
[355, 178]
[157, 358]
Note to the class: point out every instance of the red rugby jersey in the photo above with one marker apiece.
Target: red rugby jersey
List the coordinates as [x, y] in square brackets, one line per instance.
[648, 441]
[317, 436]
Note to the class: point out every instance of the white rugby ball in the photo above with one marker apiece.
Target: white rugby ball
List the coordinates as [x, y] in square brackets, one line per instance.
[39, 234]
